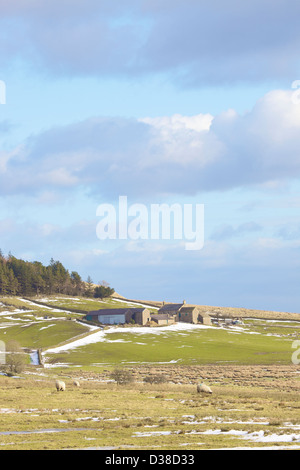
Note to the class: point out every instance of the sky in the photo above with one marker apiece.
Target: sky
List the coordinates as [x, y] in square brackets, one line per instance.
[162, 102]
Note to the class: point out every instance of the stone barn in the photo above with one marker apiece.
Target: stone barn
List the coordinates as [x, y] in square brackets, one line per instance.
[191, 314]
[186, 313]
[116, 316]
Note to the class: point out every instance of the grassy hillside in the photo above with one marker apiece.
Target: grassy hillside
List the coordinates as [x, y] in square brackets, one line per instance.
[40, 335]
[33, 325]
[198, 345]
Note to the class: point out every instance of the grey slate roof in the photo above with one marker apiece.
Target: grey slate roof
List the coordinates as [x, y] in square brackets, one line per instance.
[108, 311]
[161, 316]
[114, 311]
[168, 307]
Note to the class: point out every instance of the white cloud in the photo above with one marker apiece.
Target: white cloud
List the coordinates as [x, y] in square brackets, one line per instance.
[194, 43]
[177, 122]
[60, 177]
[7, 156]
[164, 155]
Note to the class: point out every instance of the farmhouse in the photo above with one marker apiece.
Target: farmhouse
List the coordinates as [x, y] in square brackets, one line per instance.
[191, 314]
[170, 309]
[185, 313]
[115, 316]
[168, 314]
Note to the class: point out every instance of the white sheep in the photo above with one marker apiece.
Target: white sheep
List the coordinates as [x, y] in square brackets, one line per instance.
[202, 388]
[76, 383]
[60, 385]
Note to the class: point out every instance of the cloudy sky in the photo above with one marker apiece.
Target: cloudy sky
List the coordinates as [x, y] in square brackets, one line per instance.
[164, 102]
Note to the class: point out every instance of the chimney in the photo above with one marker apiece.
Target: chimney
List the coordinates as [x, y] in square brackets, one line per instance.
[184, 302]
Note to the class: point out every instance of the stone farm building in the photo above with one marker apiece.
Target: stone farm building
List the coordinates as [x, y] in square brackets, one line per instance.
[115, 316]
[163, 319]
[185, 313]
[168, 314]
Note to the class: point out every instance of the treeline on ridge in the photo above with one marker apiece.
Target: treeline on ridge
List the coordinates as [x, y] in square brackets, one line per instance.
[19, 277]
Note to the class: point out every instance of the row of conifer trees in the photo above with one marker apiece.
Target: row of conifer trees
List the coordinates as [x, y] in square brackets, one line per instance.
[27, 278]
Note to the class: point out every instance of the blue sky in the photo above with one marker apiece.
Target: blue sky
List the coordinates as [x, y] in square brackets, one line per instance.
[164, 102]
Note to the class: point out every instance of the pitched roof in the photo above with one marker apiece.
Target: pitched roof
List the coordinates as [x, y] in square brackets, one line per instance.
[114, 311]
[187, 308]
[136, 309]
[170, 307]
[108, 311]
[161, 316]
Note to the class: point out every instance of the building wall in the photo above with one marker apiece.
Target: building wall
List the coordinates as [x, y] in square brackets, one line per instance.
[192, 315]
[143, 317]
[140, 317]
[163, 321]
[188, 315]
[111, 319]
[128, 316]
[206, 320]
[185, 314]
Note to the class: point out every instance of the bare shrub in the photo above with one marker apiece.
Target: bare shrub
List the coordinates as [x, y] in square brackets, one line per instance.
[122, 376]
[15, 358]
[155, 379]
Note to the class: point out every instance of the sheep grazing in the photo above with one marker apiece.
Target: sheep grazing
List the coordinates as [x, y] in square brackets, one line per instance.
[76, 383]
[202, 388]
[60, 386]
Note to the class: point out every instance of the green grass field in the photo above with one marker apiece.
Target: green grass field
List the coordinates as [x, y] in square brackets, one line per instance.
[36, 326]
[42, 335]
[196, 346]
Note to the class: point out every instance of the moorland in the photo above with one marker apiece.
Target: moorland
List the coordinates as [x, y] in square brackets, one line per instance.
[251, 367]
